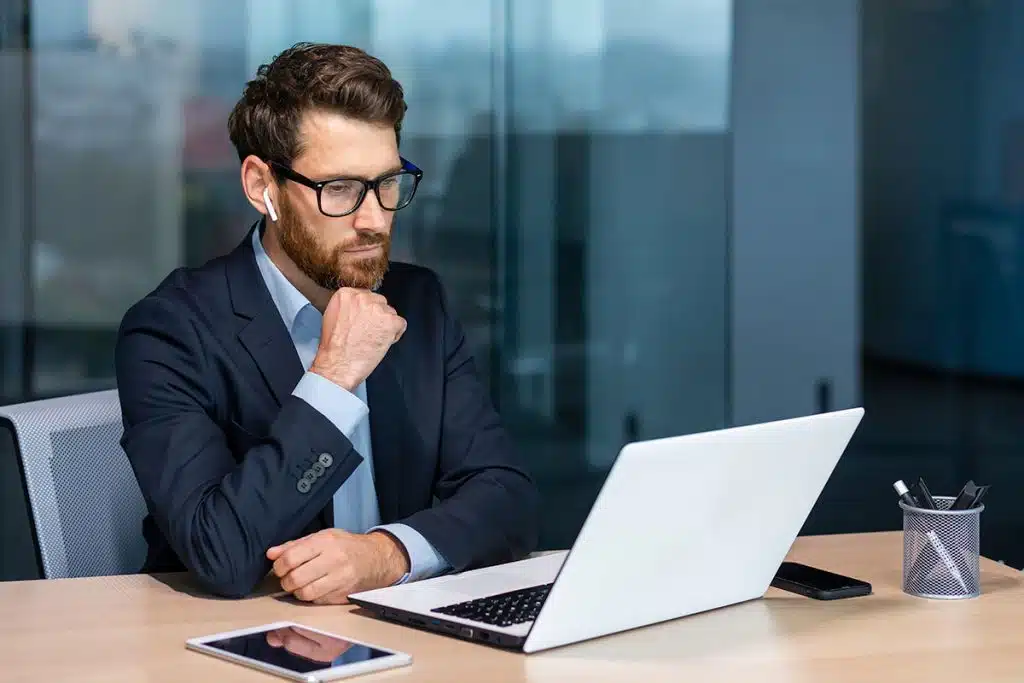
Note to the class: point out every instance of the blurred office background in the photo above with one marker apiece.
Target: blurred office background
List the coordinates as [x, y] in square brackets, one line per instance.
[653, 218]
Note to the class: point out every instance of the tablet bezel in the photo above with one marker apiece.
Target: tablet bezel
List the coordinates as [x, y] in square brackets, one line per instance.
[392, 660]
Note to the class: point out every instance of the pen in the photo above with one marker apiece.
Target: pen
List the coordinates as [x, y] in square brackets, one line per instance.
[904, 493]
[924, 495]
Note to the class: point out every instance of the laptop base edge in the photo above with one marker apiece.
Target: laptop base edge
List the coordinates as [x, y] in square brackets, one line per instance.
[422, 622]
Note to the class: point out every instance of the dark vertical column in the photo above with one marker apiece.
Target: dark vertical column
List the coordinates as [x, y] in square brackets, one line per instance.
[16, 196]
[504, 171]
[572, 215]
[28, 340]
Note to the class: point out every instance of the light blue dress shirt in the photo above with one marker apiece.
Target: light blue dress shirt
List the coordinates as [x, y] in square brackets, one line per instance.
[355, 502]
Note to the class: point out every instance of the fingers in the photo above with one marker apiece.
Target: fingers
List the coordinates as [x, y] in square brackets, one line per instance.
[306, 574]
[275, 552]
[295, 556]
[362, 295]
[398, 324]
[328, 584]
[401, 329]
[338, 596]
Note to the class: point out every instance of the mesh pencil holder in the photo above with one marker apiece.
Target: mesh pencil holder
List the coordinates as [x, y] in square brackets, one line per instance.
[941, 555]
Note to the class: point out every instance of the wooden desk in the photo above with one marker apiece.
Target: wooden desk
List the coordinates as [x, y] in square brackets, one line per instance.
[133, 628]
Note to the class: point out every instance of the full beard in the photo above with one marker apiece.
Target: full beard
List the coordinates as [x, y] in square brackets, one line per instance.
[330, 269]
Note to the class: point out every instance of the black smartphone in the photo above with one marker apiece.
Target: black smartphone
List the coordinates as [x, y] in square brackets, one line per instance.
[818, 583]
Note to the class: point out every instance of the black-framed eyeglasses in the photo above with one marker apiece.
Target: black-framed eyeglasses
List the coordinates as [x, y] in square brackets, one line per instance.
[337, 197]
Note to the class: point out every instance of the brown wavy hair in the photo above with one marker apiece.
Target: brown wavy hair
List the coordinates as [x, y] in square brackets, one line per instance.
[339, 78]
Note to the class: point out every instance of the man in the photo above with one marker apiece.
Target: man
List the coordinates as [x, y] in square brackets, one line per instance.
[302, 405]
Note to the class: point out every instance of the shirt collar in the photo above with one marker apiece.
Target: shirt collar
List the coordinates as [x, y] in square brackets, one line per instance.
[289, 300]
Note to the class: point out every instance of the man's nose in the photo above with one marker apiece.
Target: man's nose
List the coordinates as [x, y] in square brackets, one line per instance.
[370, 215]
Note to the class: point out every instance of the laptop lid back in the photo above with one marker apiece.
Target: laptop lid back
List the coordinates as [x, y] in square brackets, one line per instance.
[691, 523]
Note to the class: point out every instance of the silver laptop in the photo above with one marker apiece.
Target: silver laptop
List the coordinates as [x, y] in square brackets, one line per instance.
[681, 525]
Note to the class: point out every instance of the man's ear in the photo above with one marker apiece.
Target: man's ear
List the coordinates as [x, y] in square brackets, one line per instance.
[258, 186]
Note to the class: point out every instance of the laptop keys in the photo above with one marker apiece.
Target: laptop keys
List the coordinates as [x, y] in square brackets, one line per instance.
[504, 609]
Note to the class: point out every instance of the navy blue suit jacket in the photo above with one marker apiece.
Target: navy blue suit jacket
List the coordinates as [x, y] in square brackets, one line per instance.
[220, 447]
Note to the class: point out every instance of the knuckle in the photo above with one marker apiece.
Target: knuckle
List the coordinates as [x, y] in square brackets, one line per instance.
[305, 594]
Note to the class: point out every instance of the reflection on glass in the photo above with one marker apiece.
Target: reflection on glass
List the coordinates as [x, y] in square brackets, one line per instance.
[573, 201]
[297, 649]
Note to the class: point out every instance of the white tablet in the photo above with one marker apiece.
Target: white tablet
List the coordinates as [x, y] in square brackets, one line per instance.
[298, 652]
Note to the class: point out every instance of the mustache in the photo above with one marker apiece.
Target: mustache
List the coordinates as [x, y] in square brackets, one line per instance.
[368, 239]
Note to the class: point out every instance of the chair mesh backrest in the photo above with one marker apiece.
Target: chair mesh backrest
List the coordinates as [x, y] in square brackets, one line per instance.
[85, 501]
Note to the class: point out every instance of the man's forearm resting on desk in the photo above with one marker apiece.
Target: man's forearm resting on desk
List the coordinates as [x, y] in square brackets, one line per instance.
[327, 566]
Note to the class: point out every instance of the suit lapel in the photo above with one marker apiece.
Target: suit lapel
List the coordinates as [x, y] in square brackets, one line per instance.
[271, 348]
[261, 331]
[388, 427]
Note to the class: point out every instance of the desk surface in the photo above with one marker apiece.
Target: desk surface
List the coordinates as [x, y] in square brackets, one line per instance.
[133, 628]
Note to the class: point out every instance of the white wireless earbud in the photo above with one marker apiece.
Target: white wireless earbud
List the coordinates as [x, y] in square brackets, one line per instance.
[270, 204]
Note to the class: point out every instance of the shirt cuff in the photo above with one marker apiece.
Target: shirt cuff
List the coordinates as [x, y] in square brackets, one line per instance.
[424, 560]
[343, 408]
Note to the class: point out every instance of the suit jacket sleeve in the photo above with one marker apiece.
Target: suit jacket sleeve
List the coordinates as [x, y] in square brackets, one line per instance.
[488, 502]
[218, 514]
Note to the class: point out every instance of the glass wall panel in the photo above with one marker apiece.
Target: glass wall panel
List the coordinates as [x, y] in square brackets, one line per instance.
[574, 201]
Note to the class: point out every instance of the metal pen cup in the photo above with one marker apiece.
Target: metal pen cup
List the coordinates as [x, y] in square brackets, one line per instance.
[941, 556]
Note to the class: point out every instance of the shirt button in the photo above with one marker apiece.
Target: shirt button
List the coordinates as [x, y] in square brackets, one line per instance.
[303, 486]
[325, 459]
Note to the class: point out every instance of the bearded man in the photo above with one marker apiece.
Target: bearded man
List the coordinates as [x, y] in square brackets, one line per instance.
[303, 406]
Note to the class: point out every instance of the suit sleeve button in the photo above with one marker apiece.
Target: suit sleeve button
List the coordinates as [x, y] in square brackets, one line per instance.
[304, 486]
[325, 459]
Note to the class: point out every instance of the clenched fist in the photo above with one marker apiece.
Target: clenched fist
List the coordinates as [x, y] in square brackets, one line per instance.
[358, 329]
[326, 567]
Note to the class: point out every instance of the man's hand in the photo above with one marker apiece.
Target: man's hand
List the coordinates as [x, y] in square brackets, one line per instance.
[308, 644]
[325, 567]
[358, 329]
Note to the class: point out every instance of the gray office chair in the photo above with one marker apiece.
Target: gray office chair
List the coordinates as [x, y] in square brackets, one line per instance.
[85, 506]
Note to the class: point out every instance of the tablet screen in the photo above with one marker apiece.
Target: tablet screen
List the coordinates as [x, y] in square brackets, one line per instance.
[297, 649]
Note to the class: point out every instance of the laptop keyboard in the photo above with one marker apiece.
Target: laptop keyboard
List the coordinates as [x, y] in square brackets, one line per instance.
[504, 609]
